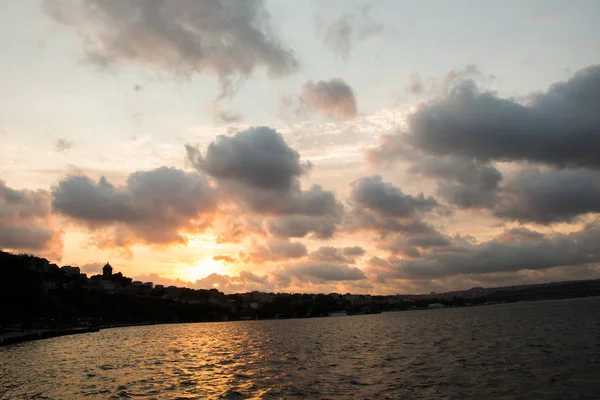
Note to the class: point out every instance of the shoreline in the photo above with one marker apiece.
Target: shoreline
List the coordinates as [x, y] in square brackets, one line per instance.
[19, 337]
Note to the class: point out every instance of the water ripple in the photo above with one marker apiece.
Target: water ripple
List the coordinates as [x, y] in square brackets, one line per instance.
[545, 350]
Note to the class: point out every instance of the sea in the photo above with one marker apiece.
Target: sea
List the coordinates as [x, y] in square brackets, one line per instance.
[534, 350]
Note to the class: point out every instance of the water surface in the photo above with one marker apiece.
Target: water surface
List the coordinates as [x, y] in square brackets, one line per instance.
[540, 350]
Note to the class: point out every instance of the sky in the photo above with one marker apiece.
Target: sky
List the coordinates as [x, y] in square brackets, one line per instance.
[342, 146]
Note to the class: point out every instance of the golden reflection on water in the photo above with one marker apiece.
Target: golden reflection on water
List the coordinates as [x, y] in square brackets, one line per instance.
[510, 351]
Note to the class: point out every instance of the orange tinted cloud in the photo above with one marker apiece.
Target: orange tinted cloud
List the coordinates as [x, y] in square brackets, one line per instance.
[26, 222]
[155, 207]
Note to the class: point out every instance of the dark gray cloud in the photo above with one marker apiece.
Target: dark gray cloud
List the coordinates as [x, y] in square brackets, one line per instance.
[274, 250]
[334, 98]
[359, 219]
[341, 35]
[512, 251]
[354, 251]
[414, 244]
[257, 157]
[461, 182]
[226, 38]
[559, 127]
[259, 172]
[331, 254]
[520, 234]
[396, 218]
[26, 222]
[321, 272]
[548, 196]
[153, 206]
[383, 198]
[23, 237]
[456, 139]
[435, 239]
[62, 144]
[314, 202]
[298, 226]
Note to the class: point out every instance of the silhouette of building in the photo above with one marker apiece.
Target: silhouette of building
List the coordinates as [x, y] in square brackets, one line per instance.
[107, 271]
[70, 271]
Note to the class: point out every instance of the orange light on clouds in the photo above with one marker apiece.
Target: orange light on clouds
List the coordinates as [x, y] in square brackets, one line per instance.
[203, 268]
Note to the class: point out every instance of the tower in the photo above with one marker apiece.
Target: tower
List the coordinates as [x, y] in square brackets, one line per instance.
[107, 271]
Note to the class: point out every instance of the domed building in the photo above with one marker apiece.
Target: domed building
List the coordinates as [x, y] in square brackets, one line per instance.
[107, 271]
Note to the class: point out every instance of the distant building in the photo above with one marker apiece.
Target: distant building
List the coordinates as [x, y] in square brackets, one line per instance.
[173, 292]
[101, 285]
[39, 264]
[140, 287]
[107, 271]
[50, 285]
[70, 271]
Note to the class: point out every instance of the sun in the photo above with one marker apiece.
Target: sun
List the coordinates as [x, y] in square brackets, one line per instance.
[203, 268]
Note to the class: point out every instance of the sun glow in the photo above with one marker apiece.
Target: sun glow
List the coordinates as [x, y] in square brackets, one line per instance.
[203, 268]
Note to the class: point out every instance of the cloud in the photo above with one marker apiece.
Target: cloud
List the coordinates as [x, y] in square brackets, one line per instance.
[226, 117]
[245, 281]
[415, 85]
[360, 219]
[228, 39]
[461, 182]
[414, 244]
[259, 173]
[314, 202]
[257, 157]
[157, 206]
[26, 222]
[91, 268]
[298, 226]
[334, 98]
[274, 250]
[345, 255]
[298, 277]
[235, 228]
[221, 116]
[558, 127]
[391, 149]
[225, 259]
[62, 145]
[396, 217]
[548, 196]
[383, 198]
[354, 251]
[459, 138]
[512, 251]
[341, 35]
[291, 213]
[321, 272]
[383, 208]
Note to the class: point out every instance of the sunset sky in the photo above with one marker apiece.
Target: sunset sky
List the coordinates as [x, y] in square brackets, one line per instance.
[309, 146]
